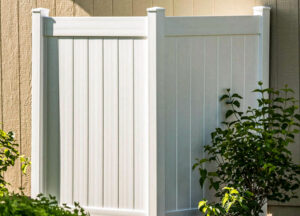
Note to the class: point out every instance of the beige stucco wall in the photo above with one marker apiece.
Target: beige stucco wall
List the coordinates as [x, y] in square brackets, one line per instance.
[15, 50]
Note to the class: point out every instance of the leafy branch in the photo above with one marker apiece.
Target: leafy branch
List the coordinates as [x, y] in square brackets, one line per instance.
[251, 152]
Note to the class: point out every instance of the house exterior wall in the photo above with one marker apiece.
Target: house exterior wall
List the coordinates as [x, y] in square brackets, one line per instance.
[15, 54]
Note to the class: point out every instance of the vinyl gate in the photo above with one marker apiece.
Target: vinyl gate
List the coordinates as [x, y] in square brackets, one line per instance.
[123, 105]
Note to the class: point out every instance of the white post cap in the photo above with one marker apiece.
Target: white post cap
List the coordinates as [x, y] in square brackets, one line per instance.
[259, 10]
[155, 9]
[43, 11]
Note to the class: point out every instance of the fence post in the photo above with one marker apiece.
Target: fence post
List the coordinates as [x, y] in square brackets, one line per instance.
[156, 190]
[38, 91]
[264, 42]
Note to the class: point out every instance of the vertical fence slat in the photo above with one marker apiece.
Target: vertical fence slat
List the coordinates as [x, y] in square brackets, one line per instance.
[183, 122]
[251, 72]
[224, 66]
[197, 118]
[80, 120]
[211, 96]
[126, 123]
[95, 122]
[170, 127]
[140, 122]
[238, 66]
[111, 120]
[66, 118]
[52, 118]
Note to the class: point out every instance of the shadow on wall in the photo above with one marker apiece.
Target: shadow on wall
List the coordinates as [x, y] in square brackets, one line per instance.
[173, 7]
[110, 7]
[87, 7]
[81, 7]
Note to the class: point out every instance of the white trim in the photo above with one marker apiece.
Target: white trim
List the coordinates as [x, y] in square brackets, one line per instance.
[227, 25]
[38, 98]
[183, 212]
[96, 26]
[264, 42]
[94, 211]
[156, 18]
[264, 53]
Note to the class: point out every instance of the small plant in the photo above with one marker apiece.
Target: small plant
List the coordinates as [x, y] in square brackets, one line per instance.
[8, 157]
[231, 198]
[251, 151]
[20, 205]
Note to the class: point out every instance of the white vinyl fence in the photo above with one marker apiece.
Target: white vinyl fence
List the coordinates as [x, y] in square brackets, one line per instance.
[122, 106]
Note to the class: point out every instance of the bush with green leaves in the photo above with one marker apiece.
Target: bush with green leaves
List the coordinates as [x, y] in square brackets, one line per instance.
[231, 197]
[12, 204]
[21, 205]
[250, 151]
[8, 157]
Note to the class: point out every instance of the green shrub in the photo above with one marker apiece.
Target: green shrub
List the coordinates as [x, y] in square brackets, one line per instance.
[251, 151]
[21, 205]
[231, 197]
[8, 157]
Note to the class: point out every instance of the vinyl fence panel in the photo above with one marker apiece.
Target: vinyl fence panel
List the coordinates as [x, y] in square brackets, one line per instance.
[122, 106]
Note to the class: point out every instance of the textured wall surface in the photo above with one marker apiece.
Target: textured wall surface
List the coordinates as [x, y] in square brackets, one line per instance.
[283, 211]
[15, 53]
